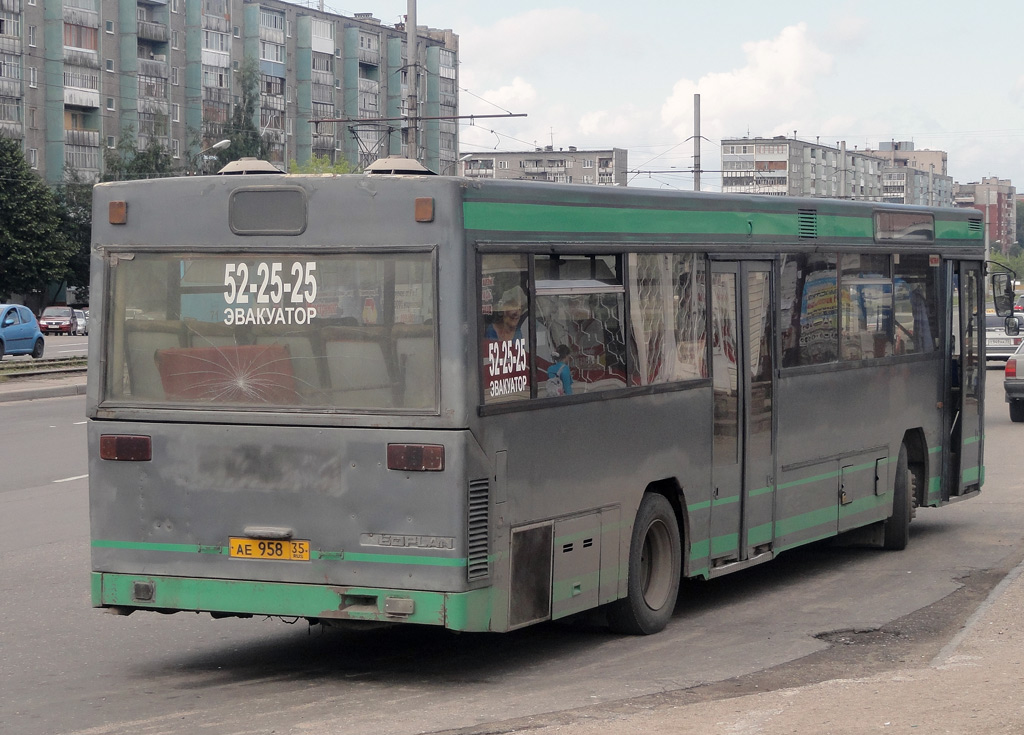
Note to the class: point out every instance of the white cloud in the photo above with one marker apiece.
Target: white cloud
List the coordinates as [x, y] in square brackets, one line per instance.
[768, 93]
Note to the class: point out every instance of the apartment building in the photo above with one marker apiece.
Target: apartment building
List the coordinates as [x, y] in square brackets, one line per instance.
[565, 166]
[782, 166]
[914, 176]
[997, 199]
[75, 73]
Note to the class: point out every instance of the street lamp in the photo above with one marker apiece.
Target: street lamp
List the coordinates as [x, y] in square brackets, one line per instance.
[218, 146]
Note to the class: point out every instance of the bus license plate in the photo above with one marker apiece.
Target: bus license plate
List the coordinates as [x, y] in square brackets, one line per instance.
[254, 548]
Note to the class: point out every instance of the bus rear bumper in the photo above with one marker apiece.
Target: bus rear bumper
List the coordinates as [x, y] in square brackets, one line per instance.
[126, 593]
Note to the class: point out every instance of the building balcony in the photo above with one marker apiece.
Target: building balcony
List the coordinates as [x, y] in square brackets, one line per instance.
[324, 94]
[11, 129]
[323, 143]
[10, 87]
[82, 137]
[273, 35]
[151, 31]
[369, 56]
[81, 57]
[154, 106]
[155, 67]
[10, 45]
[217, 94]
[78, 97]
[369, 85]
[322, 77]
[11, 6]
[272, 101]
[83, 16]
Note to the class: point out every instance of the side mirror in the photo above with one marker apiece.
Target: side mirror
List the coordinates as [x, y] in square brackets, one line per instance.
[1002, 294]
[1012, 326]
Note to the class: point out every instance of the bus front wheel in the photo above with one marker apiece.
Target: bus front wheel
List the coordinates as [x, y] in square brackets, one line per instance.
[655, 566]
[896, 529]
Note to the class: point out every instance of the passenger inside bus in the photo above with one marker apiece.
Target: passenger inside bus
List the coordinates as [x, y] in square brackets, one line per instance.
[510, 315]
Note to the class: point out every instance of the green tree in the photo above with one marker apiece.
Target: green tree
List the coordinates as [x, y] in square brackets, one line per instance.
[74, 197]
[319, 165]
[33, 245]
[127, 163]
[242, 130]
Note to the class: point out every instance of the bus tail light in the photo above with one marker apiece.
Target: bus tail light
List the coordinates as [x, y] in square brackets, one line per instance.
[1011, 368]
[126, 447]
[416, 457]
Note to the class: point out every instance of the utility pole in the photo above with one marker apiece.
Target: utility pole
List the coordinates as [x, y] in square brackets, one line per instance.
[413, 60]
[696, 142]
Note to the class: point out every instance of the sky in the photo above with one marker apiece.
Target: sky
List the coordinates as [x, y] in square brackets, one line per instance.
[598, 74]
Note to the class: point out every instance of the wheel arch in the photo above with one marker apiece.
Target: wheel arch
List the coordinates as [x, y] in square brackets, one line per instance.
[673, 492]
[917, 462]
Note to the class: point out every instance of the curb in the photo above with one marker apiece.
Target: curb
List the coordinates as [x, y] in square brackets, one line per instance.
[50, 391]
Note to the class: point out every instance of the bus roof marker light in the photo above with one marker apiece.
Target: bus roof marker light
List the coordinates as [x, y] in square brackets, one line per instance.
[118, 213]
[416, 457]
[424, 209]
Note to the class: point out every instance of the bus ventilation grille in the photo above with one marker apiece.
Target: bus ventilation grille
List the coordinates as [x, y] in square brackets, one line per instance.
[974, 225]
[478, 546]
[807, 222]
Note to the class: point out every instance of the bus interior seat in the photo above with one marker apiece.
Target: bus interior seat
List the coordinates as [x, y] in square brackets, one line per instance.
[254, 374]
[417, 364]
[358, 367]
[209, 334]
[143, 339]
[304, 344]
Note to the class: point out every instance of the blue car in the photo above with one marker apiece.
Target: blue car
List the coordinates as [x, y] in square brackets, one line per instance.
[19, 332]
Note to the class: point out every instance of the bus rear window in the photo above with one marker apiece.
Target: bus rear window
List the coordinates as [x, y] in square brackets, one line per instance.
[335, 331]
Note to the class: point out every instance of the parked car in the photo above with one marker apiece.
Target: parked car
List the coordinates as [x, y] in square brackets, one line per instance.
[19, 332]
[998, 344]
[59, 320]
[83, 322]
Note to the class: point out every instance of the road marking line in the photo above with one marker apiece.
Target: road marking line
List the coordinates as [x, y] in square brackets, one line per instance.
[79, 423]
[69, 479]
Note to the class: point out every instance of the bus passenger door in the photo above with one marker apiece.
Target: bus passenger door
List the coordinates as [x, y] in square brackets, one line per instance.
[965, 381]
[742, 506]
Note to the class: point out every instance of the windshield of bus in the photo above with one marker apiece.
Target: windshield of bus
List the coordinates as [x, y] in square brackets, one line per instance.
[311, 331]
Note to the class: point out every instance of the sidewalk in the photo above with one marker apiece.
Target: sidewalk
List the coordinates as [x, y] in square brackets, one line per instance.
[24, 389]
[972, 687]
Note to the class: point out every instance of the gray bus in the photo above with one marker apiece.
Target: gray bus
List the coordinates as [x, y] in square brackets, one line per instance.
[484, 404]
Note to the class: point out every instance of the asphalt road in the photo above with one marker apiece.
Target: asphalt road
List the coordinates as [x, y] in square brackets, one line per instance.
[67, 668]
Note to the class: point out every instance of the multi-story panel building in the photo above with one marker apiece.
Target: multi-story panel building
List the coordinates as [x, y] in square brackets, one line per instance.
[997, 199]
[914, 176]
[783, 166]
[569, 166]
[76, 74]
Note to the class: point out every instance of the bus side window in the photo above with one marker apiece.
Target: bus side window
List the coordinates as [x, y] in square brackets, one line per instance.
[504, 353]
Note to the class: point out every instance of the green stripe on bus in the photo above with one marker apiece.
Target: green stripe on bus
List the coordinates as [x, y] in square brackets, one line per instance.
[520, 217]
[416, 560]
[956, 230]
[468, 611]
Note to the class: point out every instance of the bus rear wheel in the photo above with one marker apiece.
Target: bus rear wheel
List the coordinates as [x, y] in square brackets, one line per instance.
[896, 529]
[655, 566]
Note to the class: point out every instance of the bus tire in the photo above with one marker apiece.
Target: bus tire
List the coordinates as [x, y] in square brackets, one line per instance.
[896, 529]
[1016, 411]
[655, 567]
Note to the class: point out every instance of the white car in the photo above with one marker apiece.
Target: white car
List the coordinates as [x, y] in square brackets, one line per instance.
[998, 344]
